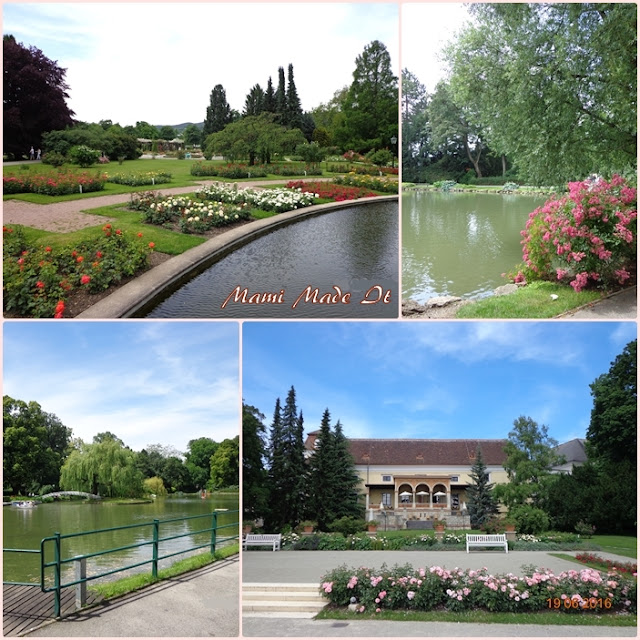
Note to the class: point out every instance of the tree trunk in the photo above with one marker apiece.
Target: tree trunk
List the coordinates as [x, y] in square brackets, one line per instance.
[474, 161]
[504, 165]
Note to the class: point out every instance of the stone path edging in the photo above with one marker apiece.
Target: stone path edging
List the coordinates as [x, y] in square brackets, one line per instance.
[133, 296]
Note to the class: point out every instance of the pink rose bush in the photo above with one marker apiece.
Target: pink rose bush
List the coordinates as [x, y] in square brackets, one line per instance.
[406, 588]
[585, 237]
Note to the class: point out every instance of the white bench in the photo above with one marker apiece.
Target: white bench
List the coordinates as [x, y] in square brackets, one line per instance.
[262, 540]
[487, 540]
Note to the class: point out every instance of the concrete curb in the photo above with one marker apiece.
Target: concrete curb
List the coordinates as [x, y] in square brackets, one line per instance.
[139, 294]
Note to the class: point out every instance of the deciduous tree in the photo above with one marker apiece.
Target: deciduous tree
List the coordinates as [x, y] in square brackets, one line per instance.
[612, 435]
[34, 97]
[255, 491]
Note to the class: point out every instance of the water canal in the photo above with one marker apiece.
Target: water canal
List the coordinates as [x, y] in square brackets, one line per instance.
[460, 243]
[25, 528]
[351, 249]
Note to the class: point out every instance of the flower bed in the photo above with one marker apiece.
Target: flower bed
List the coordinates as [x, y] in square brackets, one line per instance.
[278, 200]
[587, 236]
[621, 567]
[406, 588]
[54, 184]
[385, 185]
[188, 215]
[140, 179]
[38, 280]
[331, 191]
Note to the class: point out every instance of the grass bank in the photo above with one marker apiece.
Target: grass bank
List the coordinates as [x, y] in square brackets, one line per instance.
[536, 300]
[555, 618]
[134, 583]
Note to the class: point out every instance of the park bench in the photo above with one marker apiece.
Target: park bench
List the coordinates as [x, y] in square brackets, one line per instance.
[262, 540]
[487, 540]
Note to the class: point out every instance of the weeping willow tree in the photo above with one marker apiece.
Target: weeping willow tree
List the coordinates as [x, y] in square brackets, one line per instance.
[105, 468]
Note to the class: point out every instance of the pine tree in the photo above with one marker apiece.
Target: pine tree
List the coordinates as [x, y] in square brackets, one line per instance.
[269, 104]
[481, 503]
[281, 97]
[274, 517]
[293, 111]
[218, 112]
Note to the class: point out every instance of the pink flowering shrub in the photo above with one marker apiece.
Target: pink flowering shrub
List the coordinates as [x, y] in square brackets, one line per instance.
[406, 588]
[585, 237]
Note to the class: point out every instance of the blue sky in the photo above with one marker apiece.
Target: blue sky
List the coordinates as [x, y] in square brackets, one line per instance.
[159, 61]
[432, 379]
[147, 382]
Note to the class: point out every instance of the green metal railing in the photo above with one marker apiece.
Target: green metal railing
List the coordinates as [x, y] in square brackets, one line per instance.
[54, 544]
[22, 584]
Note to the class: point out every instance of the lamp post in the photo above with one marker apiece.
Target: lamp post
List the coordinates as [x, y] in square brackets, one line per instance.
[393, 142]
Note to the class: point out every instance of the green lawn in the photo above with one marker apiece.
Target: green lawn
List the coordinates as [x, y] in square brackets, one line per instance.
[532, 301]
[626, 546]
[487, 617]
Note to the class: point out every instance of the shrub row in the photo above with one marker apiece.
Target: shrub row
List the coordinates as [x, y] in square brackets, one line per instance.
[278, 200]
[385, 185]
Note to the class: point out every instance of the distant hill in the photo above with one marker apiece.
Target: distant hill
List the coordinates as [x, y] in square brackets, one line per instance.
[181, 127]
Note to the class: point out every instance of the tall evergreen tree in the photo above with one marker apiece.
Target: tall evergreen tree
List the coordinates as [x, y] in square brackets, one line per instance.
[481, 502]
[322, 476]
[288, 471]
[293, 116]
[218, 112]
[347, 480]
[281, 97]
[254, 102]
[270, 97]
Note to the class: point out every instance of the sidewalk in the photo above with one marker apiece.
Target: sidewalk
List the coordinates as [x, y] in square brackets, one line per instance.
[618, 306]
[310, 566]
[201, 603]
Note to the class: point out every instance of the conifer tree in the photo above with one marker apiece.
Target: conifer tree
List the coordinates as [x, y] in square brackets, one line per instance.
[281, 97]
[293, 117]
[322, 476]
[218, 112]
[254, 102]
[287, 472]
[481, 502]
[269, 104]
[346, 478]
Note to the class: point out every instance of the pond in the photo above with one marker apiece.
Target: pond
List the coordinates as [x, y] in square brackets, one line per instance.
[25, 528]
[302, 270]
[460, 244]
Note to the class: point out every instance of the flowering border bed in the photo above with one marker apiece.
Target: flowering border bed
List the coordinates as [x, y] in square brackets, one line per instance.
[278, 200]
[403, 587]
[140, 179]
[54, 184]
[330, 190]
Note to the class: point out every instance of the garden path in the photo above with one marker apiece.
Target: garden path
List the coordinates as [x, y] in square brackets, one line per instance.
[63, 217]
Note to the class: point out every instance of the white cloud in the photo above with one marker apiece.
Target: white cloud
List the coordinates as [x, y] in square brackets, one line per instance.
[158, 62]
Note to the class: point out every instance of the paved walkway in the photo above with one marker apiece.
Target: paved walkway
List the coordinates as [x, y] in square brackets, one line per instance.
[310, 566]
[621, 305]
[63, 217]
[201, 603]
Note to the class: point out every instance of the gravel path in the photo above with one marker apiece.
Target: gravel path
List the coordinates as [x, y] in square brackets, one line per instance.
[63, 217]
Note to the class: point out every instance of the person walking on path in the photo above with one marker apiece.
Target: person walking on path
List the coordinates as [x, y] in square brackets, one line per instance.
[38, 154]
[31, 153]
